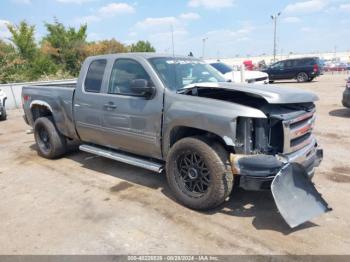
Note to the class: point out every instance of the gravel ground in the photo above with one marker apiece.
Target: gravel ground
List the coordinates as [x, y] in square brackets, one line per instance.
[83, 204]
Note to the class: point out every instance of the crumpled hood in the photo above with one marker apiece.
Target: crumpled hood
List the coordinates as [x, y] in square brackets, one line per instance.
[272, 94]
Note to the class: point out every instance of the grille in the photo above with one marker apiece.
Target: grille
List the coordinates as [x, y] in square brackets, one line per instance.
[298, 132]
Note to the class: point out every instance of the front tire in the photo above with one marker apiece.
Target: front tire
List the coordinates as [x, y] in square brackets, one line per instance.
[302, 77]
[50, 143]
[198, 173]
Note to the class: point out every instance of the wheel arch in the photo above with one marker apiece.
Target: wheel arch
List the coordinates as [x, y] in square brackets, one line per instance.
[39, 109]
[179, 132]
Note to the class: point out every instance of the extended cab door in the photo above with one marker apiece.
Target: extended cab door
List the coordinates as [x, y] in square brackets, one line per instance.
[87, 104]
[132, 122]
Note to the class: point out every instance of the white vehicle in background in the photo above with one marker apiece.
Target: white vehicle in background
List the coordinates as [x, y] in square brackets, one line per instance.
[235, 76]
[3, 98]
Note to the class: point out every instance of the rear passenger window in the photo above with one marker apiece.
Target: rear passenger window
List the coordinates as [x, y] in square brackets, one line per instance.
[94, 77]
[288, 63]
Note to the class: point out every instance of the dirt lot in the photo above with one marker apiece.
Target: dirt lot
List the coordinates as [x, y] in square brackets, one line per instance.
[82, 204]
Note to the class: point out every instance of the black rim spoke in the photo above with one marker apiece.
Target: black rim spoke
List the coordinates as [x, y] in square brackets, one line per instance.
[193, 172]
[44, 139]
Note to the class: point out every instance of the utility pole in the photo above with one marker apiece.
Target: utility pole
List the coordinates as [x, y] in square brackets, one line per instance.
[274, 18]
[203, 50]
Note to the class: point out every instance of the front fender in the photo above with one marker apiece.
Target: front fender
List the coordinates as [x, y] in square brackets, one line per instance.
[210, 115]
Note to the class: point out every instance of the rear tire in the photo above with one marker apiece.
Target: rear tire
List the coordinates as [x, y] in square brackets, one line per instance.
[302, 77]
[50, 143]
[198, 173]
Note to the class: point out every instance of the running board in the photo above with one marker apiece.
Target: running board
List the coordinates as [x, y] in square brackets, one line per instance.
[124, 158]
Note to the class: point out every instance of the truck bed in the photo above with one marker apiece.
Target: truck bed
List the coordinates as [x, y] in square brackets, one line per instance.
[57, 97]
[68, 84]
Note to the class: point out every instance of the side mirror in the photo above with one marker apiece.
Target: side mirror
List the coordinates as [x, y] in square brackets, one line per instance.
[142, 87]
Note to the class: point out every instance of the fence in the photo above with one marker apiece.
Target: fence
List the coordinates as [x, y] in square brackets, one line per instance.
[13, 91]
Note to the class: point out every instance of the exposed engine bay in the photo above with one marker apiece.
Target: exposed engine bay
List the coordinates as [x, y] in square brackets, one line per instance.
[277, 153]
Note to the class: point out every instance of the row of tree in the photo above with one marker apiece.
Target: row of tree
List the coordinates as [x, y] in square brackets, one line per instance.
[58, 55]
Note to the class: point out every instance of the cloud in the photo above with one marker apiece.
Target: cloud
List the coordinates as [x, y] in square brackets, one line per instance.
[190, 16]
[4, 32]
[159, 31]
[160, 24]
[310, 6]
[115, 9]
[226, 34]
[306, 29]
[74, 1]
[345, 7]
[211, 4]
[107, 11]
[291, 20]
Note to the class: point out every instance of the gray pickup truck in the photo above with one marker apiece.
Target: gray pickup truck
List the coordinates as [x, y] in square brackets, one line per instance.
[178, 115]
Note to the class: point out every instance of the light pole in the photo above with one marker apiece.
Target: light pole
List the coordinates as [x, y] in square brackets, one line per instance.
[274, 18]
[203, 50]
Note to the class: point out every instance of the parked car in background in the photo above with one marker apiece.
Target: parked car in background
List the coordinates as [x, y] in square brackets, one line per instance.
[301, 69]
[336, 67]
[251, 77]
[248, 65]
[346, 94]
[3, 98]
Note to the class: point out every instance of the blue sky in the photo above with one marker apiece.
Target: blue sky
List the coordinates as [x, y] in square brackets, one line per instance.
[232, 27]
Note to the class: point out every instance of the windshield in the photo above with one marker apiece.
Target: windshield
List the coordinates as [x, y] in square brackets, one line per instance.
[178, 73]
[222, 68]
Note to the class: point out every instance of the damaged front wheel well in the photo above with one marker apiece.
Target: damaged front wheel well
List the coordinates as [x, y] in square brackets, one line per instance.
[181, 132]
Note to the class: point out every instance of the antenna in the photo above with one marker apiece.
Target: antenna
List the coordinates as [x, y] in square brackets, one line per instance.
[173, 46]
[172, 40]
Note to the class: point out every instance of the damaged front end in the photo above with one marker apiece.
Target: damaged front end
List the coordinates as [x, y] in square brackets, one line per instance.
[280, 153]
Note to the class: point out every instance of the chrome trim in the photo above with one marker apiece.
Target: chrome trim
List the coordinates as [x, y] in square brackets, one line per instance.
[303, 129]
[302, 117]
[301, 155]
[291, 133]
[139, 162]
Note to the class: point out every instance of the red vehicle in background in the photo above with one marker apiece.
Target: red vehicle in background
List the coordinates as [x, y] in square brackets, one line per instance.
[248, 65]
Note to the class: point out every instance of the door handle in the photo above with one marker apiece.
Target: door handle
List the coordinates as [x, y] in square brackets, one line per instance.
[110, 106]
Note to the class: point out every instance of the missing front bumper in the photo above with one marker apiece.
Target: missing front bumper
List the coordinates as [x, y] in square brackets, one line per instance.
[288, 177]
[296, 197]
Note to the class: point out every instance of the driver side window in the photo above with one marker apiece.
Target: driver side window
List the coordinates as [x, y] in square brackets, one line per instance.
[278, 65]
[123, 73]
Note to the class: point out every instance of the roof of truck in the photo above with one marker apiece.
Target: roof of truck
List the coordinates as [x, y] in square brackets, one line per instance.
[143, 55]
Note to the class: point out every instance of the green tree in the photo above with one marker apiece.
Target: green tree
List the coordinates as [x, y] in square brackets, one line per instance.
[23, 38]
[66, 46]
[142, 46]
[26, 61]
[105, 47]
[11, 64]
